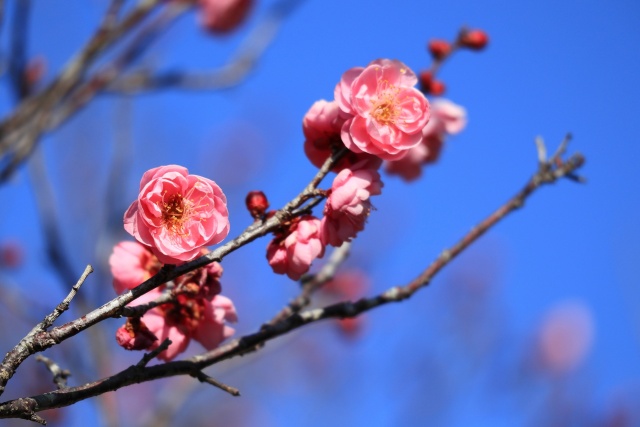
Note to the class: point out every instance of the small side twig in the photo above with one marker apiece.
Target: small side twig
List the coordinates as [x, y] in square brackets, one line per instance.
[204, 378]
[148, 357]
[59, 375]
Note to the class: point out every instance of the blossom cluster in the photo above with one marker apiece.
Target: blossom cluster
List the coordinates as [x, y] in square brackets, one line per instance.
[378, 115]
[196, 311]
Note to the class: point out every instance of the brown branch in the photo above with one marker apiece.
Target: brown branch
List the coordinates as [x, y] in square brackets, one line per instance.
[204, 378]
[20, 132]
[25, 347]
[26, 407]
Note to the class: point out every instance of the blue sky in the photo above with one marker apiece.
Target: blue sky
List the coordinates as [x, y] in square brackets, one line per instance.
[551, 68]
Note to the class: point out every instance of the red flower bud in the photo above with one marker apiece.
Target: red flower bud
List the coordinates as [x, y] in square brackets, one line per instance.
[474, 39]
[426, 78]
[439, 49]
[436, 88]
[257, 204]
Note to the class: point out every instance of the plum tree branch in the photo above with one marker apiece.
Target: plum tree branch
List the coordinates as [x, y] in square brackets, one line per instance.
[549, 171]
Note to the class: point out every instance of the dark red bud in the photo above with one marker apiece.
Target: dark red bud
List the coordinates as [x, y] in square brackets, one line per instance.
[426, 78]
[257, 204]
[474, 39]
[437, 88]
[439, 49]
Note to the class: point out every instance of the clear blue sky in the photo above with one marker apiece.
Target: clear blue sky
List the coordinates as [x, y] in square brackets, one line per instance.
[551, 67]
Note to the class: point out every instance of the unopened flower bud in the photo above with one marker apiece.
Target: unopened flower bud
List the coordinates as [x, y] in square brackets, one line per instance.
[474, 39]
[426, 78]
[439, 49]
[135, 335]
[437, 88]
[257, 204]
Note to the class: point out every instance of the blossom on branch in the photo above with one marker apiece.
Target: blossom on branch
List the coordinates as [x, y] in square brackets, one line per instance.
[196, 311]
[293, 251]
[176, 214]
[388, 112]
[348, 205]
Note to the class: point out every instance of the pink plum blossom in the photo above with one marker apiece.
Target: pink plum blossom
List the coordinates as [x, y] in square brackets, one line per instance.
[189, 317]
[388, 112]
[131, 264]
[176, 214]
[447, 118]
[222, 16]
[321, 127]
[197, 311]
[348, 204]
[292, 253]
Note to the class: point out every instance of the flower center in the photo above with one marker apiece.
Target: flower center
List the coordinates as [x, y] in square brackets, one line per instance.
[385, 108]
[176, 210]
[185, 313]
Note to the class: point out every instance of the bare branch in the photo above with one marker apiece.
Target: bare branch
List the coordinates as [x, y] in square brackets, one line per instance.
[231, 74]
[148, 357]
[204, 378]
[59, 375]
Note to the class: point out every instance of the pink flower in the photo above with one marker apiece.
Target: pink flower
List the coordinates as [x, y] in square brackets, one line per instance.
[447, 118]
[322, 126]
[348, 204]
[176, 214]
[389, 113]
[131, 264]
[293, 253]
[188, 317]
[222, 16]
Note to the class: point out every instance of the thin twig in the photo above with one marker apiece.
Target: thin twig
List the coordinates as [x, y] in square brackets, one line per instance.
[229, 75]
[25, 345]
[148, 357]
[204, 378]
[59, 375]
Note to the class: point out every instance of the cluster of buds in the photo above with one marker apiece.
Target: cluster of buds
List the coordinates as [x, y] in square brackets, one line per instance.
[440, 50]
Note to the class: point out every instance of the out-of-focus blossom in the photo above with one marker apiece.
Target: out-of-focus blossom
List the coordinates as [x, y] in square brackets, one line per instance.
[189, 316]
[388, 112]
[348, 284]
[223, 16]
[131, 264]
[322, 126]
[11, 254]
[348, 205]
[293, 252]
[565, 337]
[176, 214]
[447, 118]
[197, 311]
